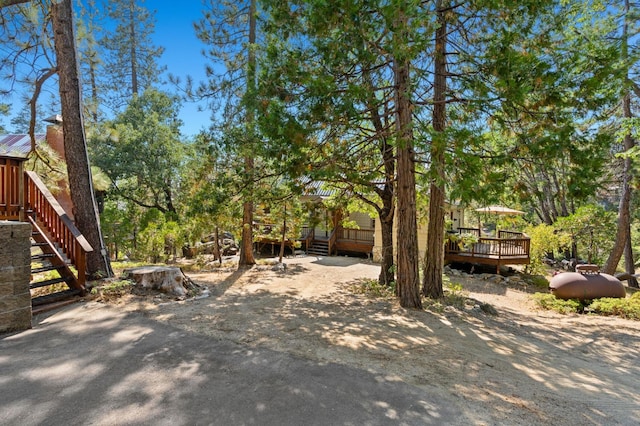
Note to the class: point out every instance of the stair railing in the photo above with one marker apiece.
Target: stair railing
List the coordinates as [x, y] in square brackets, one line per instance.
[308, 239]
[49, 213]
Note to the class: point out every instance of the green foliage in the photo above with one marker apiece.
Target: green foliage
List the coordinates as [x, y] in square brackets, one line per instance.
[373, 289]
[120, 265]
[159, 240]
[544, 240]
[550, 302]
[539, 281]
[141, 151]
[454, 294]
[623, 307]
[591, 229]
[628, 307]
[4, 111]
[112, 289]
[464, 240]
[130, 58]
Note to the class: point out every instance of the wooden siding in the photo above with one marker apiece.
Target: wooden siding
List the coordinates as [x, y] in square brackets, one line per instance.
[11, 189]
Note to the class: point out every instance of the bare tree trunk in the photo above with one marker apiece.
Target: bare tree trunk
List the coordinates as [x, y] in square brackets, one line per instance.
[408, 281]
[434, 262]
[80, 185]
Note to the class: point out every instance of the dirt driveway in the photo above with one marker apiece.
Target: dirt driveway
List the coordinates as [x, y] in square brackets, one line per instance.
[520, 366]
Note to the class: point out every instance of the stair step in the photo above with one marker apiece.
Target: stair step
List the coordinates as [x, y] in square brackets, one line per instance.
[52, 281]
[45, 269]
[313, 250]
[42, 256]
[55, 297]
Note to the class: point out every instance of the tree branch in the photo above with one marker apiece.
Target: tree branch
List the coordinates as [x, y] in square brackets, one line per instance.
[7, 3]
[32, 104]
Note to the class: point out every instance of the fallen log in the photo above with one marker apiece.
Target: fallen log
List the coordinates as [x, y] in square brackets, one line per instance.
[166, 279]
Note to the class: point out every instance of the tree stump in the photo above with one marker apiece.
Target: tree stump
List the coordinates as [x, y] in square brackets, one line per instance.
[166, 279]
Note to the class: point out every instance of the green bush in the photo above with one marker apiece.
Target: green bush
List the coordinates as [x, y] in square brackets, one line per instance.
[550, 302]
[622, 307]
[544, 239]
[537, 281]
[373, 289]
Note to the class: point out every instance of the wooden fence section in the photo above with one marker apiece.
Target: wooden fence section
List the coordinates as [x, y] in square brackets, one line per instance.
[59, 227]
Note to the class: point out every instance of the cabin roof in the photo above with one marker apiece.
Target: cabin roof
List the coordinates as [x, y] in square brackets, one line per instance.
[17, 146]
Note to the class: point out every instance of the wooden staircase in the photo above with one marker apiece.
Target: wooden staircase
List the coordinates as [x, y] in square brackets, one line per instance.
[57, 245]
[47, 257]
[318, 248]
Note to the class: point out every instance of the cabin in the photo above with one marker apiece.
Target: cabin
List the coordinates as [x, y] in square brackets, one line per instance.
[454, 215]
[325, 235]
[58, 248]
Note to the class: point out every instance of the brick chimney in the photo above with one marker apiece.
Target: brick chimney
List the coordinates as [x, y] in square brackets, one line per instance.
[55, 140]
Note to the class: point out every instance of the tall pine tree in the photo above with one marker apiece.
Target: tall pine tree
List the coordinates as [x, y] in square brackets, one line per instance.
[130, 57]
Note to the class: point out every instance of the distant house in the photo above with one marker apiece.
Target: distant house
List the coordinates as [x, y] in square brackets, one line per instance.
[454, 214]
[328, 235]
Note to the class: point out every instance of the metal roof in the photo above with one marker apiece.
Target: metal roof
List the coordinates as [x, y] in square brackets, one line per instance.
[318, 189]
[17, 146]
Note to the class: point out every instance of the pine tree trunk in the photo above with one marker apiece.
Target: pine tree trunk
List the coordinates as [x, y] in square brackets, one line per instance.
[629, 263]
[78, 169]
[218, 250]
[434, 262]
[408, 281]
[386, 213]
[284, 234]
[246, 248]
[133, 49]
[387, 275]
[624, 214]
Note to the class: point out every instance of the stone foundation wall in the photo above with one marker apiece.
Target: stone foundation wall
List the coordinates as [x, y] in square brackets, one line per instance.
[15, 274]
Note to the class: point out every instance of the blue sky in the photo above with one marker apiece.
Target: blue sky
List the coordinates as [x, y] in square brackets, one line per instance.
[182, 57]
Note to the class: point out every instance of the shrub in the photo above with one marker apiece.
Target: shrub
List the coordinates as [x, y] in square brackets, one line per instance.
[372, 288]
[622, 307]
[550, 302]
[544, 239]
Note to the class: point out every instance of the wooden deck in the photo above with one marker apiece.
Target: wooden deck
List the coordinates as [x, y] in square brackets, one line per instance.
[354, 241]
[508, 248]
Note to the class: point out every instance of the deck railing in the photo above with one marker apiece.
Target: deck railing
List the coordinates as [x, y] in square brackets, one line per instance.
[51, 216]
[508, 244]
[356, 235]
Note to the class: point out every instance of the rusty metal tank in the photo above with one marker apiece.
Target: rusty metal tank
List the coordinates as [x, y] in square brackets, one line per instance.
[586, 283]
